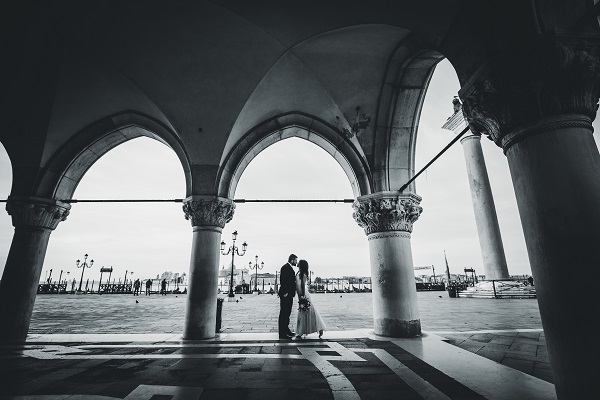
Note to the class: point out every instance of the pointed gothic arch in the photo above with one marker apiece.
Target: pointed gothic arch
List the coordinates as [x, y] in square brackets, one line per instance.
[71, 162]
[304, 126]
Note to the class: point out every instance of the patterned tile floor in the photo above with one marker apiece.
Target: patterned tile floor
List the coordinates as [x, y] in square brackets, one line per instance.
[349, 365]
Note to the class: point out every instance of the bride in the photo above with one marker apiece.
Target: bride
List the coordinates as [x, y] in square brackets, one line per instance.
[309, 320]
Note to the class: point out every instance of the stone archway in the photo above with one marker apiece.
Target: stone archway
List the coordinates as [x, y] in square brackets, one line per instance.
[307, 127]
[71, 162]
[396, 125]
[210, 213]
[35, 216]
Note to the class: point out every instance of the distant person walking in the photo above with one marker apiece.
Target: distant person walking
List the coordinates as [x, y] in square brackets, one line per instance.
[163, 287]
[148, 286]
[136, 287]
[287, 290]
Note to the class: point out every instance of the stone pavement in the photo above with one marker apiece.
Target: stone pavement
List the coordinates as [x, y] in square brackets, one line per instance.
[252, 313]
[524, 350]
[100, 345]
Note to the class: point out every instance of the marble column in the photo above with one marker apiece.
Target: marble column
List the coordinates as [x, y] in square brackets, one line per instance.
[545, 131]
[387, 218]
[486, 219]
[208, 215]
[34, 219]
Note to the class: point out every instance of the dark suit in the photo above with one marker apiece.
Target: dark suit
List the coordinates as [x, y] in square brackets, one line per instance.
[287, 284]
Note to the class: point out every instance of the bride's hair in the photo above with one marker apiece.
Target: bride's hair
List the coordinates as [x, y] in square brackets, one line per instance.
[303, 267]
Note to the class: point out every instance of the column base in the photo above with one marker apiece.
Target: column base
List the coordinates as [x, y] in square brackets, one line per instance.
[199, 337]
[397, 328]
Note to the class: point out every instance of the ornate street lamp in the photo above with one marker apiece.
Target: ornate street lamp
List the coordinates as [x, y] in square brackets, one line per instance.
[233, 249]
[256, 267]
[83, 265]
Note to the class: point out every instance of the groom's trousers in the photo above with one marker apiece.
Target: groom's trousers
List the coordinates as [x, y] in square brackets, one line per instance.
[284, 314]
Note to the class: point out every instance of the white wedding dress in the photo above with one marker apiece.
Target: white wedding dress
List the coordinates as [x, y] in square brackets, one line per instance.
[308, 321]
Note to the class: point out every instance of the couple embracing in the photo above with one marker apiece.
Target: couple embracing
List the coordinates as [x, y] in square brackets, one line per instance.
[309, 320]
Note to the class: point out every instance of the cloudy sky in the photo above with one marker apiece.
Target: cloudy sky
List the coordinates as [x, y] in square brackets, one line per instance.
[149, 239]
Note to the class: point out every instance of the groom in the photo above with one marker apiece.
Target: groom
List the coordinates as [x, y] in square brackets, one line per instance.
[287, 291]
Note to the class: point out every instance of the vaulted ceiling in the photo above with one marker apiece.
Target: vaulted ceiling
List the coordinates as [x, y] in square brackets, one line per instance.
[212, 71]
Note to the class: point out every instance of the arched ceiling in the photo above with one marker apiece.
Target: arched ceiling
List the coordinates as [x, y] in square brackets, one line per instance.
[211, 71]
[327, 76]
[222, 66]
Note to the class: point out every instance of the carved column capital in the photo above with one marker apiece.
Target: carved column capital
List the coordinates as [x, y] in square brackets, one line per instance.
[208, 210]
[549, 80]
[387, 211]
[36, 212]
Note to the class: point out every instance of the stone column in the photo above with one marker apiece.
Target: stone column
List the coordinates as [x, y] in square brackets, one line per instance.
[387, 218]
[486, 220]
[539, 111]
[34, 219]
[208, 215]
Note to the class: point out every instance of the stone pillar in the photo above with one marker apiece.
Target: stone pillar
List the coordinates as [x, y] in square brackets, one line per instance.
[486, 220]
[387, 218]
[208, 215]
[540, 112]
[34, 219]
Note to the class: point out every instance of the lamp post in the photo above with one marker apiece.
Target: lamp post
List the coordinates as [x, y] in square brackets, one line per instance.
[83, 265]
[233, 250]
[256, 267]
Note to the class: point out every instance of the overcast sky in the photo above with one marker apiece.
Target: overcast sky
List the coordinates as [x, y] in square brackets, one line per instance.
[152, 238]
